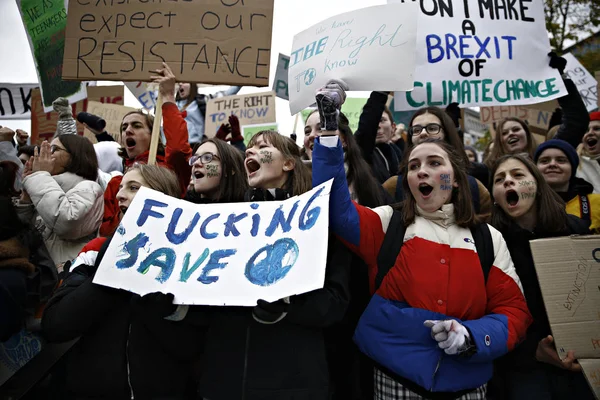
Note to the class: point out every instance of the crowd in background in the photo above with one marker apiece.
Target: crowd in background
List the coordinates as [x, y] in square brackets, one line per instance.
[430, 286]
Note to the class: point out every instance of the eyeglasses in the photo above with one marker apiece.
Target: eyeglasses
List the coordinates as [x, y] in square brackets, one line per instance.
[432, 129]
[205, 158]
[54, 148]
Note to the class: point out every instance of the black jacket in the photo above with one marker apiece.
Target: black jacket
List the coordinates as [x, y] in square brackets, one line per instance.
[575, 118]
[245, 359]
[119, 350]
[517, 240]
[384, 158]
[577, 187]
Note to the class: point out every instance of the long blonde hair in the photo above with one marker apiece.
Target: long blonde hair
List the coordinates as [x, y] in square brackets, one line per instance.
[159, 178]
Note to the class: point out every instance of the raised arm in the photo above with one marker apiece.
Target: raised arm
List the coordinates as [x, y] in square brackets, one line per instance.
[369, 123]
[575, 118]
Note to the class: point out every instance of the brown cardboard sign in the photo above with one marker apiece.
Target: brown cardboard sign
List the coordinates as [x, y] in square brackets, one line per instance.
[534, 117]
[113, 115]
[568, 270]
[251, 109]
[591, 370]
[204, 41]
[43, 125]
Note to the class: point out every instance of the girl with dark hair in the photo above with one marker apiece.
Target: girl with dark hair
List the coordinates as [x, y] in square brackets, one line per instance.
[432, 122]
[61, 197]
[526, 208]
[426, 332]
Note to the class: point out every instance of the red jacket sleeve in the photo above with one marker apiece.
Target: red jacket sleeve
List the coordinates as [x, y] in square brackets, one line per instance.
[112, 213]
[178, 150]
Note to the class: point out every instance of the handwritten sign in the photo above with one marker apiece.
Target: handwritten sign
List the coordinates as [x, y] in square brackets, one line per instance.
[220, 254]
[45, 23]
[113, 115]
[144, 93]
[591, 370]
[220, 41]
[43, 124]
[251, 109]
[352, 109]
[370, 49]
[585, 82]
[536, 118]
[248, 131]
[481, 53]
[568, 270]
[280, 84]
[15, 100]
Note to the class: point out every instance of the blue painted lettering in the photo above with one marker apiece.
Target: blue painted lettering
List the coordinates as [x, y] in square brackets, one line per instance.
[213, 263]
[203, 233]
[279, 219]
[132, 248]
[186, 272]
[178, 238]
[271, 268]
[166, 265]
[147, 211]
[313, 214]
[230, 224]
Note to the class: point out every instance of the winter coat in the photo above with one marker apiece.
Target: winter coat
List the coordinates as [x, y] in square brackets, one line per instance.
[575, 118]
[246, 359]
[587, 209]
[589, 170]
[66, 209]
[177, 154]
[495, 313]
[120, 352]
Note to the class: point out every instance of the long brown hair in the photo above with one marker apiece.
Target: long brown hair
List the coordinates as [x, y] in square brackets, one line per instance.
[159, 178]
[464, 212]
[450, 133]
[551, 213]
[299, 179]
[84, 161]
[191, 95]
[233, 184]
[499, 150]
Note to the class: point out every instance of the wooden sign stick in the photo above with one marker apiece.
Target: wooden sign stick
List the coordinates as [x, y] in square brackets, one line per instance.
[155, 131]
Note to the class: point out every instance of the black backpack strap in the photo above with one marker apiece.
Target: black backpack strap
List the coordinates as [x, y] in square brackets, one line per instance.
[390, 248]
[474, 193]
[584, 208]
[485, 247]
[399, 195]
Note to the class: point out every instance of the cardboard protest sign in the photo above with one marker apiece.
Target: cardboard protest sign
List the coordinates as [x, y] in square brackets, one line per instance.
[370, 49]
[250, 130]
[481, 53]
[43, 124]
[568, 270]
[220, 42]
[534, 118]
[585, 82]
[352, 109]
[15, 100]
[220, 254]
[144, 93]
[251, 109]
[113, 115]
[45, 22]
[280, 84]
[591, 370]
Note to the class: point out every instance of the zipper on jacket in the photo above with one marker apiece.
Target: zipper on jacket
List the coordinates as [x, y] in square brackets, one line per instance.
[244, 375]
[127, 361]
[437, 367]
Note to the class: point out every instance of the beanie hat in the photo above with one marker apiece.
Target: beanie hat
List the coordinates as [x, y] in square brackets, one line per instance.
[595, 116]
[564, 147]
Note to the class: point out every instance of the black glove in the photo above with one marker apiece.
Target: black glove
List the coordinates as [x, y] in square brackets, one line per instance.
[270, 313]
[557, 62]
[154, 305]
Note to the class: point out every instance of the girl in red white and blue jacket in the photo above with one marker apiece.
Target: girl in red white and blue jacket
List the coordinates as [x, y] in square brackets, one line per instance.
[435, 323]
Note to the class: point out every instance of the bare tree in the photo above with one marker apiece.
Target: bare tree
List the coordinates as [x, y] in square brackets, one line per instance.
[570, 20]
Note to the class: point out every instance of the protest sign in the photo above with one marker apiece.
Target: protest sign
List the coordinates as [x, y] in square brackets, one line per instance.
[568, 271]
[370, 49]
[250, 130]
[45, 22]
[251, 109]
[536, 118]
[352, 108]
[113, 115]
[220, 42]
[591, 370]
[15, 100]
[43, 124]
[220, 254]
[585, 82]
[280, 84]
[144, 93]
[481, 53]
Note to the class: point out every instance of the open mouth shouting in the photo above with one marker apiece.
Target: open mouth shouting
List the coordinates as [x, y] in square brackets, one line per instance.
[512, 198]
[425, 190]
[591, 142]
[130, 143]
[198, 174]
[123, 209]
[252, 166]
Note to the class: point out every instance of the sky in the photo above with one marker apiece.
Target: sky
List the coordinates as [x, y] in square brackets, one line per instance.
[290, 17]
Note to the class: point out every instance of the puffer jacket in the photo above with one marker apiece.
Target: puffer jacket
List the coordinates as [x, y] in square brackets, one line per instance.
[589, 169]
[66, 209]
[437, 275]
[582, 203]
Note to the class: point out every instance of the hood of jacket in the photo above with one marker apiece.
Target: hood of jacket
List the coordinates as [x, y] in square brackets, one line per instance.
[14, 255]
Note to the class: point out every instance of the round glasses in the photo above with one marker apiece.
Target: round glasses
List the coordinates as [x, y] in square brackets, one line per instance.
[205, 158]
[432, 129]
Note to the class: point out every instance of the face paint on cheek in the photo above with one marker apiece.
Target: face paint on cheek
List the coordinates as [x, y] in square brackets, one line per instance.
[266, 157]
[212, 170]
[446, 184]
[526, 195]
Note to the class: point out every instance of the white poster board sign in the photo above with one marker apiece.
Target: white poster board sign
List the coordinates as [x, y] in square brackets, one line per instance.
[15, 100]
[481, 53]
[220, 254]
[280, 84]
[144, 93]
[370, 49]
[585, 82]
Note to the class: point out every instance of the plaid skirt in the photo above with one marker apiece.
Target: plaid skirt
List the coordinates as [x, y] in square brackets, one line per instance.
[387, 388]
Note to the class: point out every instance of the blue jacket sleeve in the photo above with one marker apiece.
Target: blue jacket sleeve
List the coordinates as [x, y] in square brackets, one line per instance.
[328, 163]
[490, 335]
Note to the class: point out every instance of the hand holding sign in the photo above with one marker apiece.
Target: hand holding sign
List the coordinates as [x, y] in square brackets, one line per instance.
[166, 83]
[546, 352]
